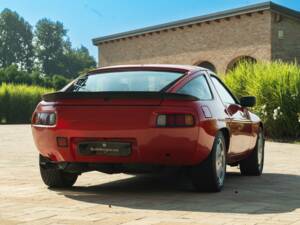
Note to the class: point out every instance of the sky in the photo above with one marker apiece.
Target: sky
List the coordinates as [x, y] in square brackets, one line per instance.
[87, 19]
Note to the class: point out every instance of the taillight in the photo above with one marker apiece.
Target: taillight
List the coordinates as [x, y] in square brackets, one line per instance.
[175, 120]
[44, 118]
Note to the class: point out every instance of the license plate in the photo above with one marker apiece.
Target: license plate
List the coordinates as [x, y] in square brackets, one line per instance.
[105, 148]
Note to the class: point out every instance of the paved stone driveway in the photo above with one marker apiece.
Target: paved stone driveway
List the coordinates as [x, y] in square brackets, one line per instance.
[97, 198]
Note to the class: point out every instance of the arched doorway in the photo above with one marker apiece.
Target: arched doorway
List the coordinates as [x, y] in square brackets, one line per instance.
[235, 62]
[207, 65]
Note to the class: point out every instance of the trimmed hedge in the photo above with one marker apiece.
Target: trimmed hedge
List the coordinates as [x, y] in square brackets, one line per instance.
[277, 88]
[17, 102]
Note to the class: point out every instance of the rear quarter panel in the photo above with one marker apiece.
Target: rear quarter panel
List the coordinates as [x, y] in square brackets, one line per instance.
[256, 124]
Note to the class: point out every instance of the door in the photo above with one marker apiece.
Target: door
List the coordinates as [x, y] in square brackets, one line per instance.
[239, 122]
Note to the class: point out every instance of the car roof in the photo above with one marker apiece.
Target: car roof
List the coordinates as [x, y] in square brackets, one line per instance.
[163, 67]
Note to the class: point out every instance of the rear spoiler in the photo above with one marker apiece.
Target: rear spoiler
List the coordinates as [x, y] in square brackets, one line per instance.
[56, 96]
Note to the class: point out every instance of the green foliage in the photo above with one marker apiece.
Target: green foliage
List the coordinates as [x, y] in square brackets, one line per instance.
[277, 88]
[58, 82]
[15, 40]
[55, 53]
[12, 75]
[17, 102]
[48, 50]
[77, 61]
[49, 45]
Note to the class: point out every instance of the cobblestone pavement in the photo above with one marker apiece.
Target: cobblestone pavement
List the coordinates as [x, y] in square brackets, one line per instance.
[98, 198]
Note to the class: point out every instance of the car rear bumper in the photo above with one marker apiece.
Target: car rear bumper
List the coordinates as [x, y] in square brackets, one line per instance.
[162, 146]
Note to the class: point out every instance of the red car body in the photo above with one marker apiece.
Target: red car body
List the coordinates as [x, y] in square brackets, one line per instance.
[133, 120]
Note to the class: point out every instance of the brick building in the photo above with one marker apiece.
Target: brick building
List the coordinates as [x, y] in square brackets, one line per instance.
[264, 31]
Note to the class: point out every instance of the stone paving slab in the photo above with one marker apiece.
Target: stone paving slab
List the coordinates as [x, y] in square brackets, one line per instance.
[123, 199]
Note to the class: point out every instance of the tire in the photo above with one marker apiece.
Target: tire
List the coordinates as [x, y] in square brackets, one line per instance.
[210, 174]
[54, 177]
[253, 165]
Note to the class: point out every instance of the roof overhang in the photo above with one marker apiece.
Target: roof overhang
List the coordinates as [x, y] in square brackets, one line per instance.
[200, 19]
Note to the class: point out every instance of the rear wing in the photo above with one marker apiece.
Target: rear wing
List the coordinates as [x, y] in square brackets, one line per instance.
[52, 97]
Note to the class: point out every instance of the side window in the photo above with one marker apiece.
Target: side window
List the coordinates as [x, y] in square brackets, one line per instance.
[197, 87]
[226, 97]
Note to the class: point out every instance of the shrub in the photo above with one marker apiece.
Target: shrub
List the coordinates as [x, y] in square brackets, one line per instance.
[17, 102]
[12, 75]
[277, 88]
[59, 82]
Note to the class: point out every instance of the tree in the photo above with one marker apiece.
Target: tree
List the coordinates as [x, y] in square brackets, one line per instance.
[48, 51]
[49, 44]
[15, 41]
[76, 61]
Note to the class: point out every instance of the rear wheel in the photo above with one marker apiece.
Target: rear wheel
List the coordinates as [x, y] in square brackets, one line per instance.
[210, 174]
[55, 177]
[253, 165]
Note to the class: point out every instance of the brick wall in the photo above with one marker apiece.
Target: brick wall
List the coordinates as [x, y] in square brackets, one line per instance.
[218, 42]
[286, 47]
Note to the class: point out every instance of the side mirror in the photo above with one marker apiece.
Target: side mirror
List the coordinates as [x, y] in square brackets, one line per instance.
[248, 101]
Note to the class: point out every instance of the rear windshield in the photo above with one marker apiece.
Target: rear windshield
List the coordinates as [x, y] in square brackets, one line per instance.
[148, 81]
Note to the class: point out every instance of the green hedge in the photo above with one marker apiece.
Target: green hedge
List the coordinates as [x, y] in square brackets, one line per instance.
[17, 102]
[277, 88]
[12, 75]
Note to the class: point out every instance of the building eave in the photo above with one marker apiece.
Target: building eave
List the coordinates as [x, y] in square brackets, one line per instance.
[200, 19]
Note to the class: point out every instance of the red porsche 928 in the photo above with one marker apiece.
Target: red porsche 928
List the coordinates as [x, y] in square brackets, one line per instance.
[147, 118]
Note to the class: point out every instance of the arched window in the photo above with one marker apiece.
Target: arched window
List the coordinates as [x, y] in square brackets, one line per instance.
[235, 62]
[207, 65]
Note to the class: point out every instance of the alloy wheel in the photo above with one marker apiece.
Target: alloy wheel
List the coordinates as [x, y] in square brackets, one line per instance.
[220, 162]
